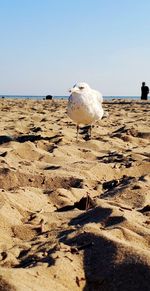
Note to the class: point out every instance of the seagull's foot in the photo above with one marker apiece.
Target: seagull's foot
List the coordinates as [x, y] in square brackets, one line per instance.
[87, 137]
[86, 131]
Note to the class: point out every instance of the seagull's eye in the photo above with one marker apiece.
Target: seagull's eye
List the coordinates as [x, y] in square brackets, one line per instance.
[81, 88]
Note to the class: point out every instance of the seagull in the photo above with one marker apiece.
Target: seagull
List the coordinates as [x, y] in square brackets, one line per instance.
[84, 105]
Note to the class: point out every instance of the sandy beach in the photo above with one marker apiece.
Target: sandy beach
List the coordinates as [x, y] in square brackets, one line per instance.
[74, 215]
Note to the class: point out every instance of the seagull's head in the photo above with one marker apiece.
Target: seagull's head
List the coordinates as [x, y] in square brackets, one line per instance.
[80, 88]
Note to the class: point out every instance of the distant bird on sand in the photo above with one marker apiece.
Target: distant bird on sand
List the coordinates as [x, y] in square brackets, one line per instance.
[84, 105]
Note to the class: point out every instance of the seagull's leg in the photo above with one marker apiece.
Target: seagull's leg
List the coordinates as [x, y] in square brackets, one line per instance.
[90, 131]
[77, 132]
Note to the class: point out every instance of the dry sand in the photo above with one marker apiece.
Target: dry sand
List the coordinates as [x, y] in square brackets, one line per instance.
[48, 241]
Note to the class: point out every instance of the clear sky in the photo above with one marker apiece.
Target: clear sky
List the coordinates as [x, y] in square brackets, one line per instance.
[48, 45]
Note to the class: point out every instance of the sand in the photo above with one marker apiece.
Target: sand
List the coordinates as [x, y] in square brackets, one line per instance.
[51, 236]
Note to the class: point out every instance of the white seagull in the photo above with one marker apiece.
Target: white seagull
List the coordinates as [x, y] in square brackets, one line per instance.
[84, 105]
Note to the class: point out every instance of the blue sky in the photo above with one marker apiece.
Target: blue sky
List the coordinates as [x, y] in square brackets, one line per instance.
[48, 45]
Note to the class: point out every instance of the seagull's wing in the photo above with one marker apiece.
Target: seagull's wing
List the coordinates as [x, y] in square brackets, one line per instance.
[98, 95]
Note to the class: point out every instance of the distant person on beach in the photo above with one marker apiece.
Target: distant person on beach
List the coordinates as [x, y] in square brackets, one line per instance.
[144, 91]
